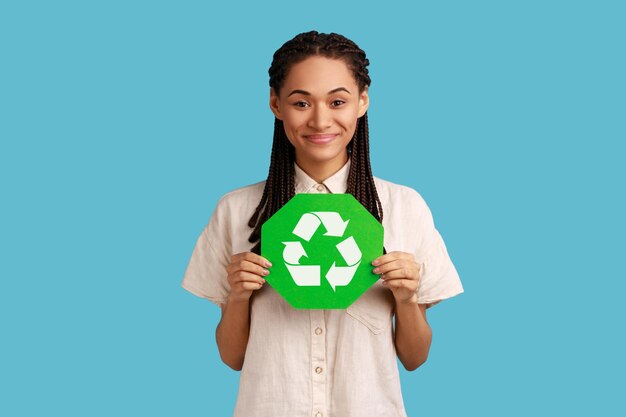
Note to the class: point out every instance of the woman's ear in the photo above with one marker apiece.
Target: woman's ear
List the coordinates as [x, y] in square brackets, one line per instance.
[364, 101]
[274, 103]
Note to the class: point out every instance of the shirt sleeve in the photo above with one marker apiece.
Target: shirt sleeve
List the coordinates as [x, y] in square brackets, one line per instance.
[206, 274]
[438, 276]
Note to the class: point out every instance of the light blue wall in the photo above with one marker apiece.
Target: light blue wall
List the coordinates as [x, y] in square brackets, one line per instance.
[121, 124]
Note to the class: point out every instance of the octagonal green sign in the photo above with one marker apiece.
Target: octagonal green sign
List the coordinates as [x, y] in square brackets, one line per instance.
[321, 247]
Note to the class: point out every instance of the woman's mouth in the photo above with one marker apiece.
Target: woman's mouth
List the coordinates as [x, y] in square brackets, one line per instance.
[321, 139]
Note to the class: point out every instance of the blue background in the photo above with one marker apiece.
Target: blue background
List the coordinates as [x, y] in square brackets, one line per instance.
[121, 124]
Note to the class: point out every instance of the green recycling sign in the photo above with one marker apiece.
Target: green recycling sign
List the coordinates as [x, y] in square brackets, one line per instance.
[321, 247]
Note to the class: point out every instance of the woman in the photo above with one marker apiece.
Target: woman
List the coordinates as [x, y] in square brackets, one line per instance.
[321, 362]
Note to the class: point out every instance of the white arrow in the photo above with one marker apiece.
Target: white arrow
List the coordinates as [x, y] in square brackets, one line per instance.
[334, 224]
[306, 227]
[341, 275]
[350, 251]
[293, 252]
[305, 275]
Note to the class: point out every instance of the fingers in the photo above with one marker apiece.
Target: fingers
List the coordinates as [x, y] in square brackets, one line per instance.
[391, 256]
[245, 277]
[245, 274]
[390, 266]
[408, 284]
[246, 271]
[251, 257]
[251, 286]
[398, 268]
[244, 265]
[401, 274]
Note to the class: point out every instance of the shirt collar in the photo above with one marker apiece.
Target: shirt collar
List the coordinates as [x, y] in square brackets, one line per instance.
[336, 183]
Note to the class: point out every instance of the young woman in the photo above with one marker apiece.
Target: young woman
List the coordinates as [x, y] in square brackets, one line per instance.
[321, 362]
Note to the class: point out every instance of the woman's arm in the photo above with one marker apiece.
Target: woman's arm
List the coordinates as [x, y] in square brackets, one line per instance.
[400, 273]
[413, 334]
[232, 333]
[245, 274]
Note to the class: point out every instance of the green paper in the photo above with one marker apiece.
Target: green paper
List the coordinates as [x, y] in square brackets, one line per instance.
[321, 247]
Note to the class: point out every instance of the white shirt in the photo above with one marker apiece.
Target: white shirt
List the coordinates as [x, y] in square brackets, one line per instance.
[321, 363]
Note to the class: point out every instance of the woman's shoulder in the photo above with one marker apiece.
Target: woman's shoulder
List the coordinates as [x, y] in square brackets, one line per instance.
[241, 200]
[407, 218]
[393, 193]
[243, 193]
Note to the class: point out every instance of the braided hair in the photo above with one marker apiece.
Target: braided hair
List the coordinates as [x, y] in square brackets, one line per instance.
[280, 185]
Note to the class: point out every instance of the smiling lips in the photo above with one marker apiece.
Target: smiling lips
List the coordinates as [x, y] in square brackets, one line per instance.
[321, 139]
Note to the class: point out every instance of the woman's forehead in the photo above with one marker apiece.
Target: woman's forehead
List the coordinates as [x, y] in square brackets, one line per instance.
[319, 75]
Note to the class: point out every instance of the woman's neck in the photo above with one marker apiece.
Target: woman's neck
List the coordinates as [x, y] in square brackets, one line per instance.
[322, 171]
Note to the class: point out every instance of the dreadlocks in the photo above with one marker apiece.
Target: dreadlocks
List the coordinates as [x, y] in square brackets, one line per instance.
[280, 186]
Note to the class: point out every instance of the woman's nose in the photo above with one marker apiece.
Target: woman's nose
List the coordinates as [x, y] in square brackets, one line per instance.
[320, 118]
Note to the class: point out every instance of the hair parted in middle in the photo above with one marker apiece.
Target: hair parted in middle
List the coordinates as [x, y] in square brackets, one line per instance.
[280, 184]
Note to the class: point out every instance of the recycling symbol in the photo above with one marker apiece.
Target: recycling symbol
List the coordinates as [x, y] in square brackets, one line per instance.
[321, 247]
[310, 275]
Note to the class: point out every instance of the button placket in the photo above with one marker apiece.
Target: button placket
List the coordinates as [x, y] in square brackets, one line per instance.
[318, 361]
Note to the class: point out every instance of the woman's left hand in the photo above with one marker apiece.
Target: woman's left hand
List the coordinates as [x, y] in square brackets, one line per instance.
[400, 273]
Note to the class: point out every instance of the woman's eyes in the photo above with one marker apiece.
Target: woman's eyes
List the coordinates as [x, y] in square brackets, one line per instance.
[304, 104]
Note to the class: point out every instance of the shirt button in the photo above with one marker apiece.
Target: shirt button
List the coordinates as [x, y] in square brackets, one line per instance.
[318, 370]
[318, 414]
[318, 331]
[320, 187]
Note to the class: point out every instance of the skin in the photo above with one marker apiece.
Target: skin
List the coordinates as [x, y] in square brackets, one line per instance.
[320, 96]
[309, 104]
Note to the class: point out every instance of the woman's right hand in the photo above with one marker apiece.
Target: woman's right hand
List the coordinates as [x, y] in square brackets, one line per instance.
[245, 275]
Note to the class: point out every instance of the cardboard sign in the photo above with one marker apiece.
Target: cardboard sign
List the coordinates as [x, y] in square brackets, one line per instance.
[321, 247]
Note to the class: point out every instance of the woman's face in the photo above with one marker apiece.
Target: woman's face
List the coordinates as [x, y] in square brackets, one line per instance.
[319, 104]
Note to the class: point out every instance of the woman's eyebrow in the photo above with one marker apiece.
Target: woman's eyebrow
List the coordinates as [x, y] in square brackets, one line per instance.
[306, 93]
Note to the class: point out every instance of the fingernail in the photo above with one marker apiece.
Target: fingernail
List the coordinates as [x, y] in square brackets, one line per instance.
[384, 282]
[375, 262]
[266, 272]
[376, 270]
[268, 264]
